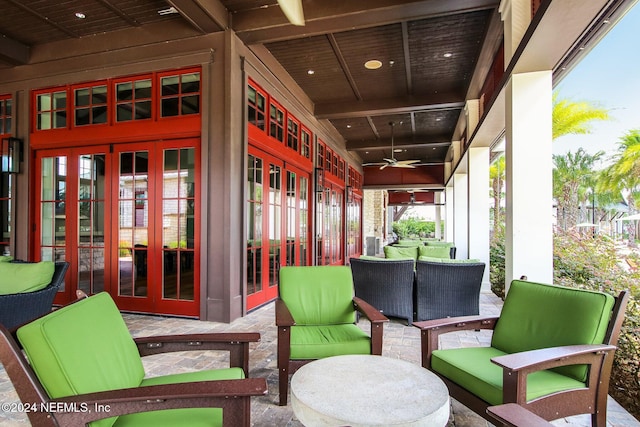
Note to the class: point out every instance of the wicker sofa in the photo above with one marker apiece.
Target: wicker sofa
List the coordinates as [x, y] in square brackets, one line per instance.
[17, 309]
[386, 284]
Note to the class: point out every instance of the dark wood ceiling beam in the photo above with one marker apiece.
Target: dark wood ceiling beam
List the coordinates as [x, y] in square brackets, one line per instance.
[431, 141]
[13, 52]
[380, 107]
[43, 18]
[373, 127]
[344, 66]
[268, 24]
[407, 58]
[207, 16]
[128, 19]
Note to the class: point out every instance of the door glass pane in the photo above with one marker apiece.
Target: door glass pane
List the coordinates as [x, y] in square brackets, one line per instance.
[178, 226]
[275, 222]
[91, 224]
[53, 209]
[254, 225]
[133, 223]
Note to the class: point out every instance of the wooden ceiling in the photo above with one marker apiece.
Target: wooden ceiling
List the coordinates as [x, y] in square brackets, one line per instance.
[435, 55]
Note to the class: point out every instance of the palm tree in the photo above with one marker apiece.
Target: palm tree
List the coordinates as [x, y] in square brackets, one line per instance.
[573, 177]
[623, 176]
[574, 117]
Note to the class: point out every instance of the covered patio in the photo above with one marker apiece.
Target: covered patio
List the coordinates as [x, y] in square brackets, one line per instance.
[400, 341]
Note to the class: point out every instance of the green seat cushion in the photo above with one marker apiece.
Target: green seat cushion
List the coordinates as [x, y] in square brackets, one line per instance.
[538, 316]
[472, 369]
[196, 417]
[449, 260]
[318, 295]
[83, 348]
[434, 251]
[316, 342]
[439, 243]
[394, 252]
[6, 258]
[18, 278]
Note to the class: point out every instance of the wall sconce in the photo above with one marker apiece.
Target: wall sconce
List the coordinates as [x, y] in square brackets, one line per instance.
[349, 194]
[11, 151]
[319, 180]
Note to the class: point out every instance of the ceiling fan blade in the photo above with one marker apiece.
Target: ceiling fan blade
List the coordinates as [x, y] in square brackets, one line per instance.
[292, 9]
[408, 162]
[403, 165]
[375, 164]
[389, 160]
[384, 166]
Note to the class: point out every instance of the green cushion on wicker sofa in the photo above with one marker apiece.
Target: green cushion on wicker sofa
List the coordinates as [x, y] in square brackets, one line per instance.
[394, 252]
[434, 251]
[449, 260]
[86, 347]
[320, 300]
[17, 278]
[534, 316]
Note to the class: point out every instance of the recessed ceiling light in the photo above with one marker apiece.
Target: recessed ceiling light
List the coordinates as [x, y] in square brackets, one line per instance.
[80, 15]
[448, 55]
[311, 72]
[398, 150]
[372, 64]
[348, 126]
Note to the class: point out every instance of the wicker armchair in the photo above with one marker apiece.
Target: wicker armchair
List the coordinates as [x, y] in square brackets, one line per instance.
[386, 284]
[447, 289]
[17, 309]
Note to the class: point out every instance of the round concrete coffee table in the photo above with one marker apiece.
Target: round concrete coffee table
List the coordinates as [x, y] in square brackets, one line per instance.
[363, 390]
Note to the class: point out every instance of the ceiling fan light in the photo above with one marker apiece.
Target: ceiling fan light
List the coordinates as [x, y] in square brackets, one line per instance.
[292, 9]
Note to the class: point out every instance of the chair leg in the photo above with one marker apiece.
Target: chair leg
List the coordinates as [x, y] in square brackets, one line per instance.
[283, 384]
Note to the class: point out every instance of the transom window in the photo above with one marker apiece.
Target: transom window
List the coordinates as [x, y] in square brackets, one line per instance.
[51, 110]
[305, 148]
[180, 95]
[276, 122]
[5, 115]
[90, 105]
[133, 100]
[293, 128]
[257, 107]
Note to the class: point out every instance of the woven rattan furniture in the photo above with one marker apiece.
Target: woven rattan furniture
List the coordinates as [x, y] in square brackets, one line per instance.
[386, 284]
[16, 309]
[447, 289]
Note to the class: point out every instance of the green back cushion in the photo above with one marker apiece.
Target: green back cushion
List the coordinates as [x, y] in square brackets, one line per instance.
[434, 251]
[82, 348]
[538, 316]
[449, 260]
[377, 258]
[394, 252]
[439, 243]
[409, 242]
[318, 295]
[17, 278]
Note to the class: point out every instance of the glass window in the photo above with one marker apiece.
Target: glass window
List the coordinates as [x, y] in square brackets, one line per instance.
[180, 95]
[276, 122]
[133, 100]
[292, 134]
[305, 148]
[51, 110]
[90, 105]
[256, 105]
[5, 115]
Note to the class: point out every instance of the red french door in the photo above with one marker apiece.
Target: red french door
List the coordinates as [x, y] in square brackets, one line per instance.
[125, 217]
[277, 223]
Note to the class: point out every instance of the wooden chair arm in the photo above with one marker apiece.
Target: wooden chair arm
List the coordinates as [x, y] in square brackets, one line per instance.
[78, 410]
[514, 415]
[283, 315]
[236, 343]
[546, 358]
[369, 311]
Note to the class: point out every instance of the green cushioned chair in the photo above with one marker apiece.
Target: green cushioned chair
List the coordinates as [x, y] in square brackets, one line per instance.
[395, 252]
[316, 315]
[551, 352]
[82, 363]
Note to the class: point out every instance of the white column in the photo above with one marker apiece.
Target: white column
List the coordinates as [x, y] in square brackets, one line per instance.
[479, 236]
[437, 199]
[449, 208]
[529, 233]
[461, 215]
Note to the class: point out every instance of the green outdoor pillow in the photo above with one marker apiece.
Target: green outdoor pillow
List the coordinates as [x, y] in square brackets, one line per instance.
[434, 251]
[409, 242]
[439, 243]
[6, 258]
[18, 278]
[449, 260]
[375, 258]
[393, 252]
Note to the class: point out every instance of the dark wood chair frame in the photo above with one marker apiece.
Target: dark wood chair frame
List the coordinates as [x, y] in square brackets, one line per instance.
[514, 415]
[284, 321]
[233, 396]
[590, 400]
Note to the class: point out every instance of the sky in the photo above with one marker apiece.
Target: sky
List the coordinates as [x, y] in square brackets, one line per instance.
[609, 76]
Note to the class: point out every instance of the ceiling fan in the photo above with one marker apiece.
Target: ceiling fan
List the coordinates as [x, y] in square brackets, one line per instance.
[393, 162]
[292, 9]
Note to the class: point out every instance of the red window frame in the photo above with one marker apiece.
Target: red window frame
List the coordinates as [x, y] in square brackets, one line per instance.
[91, 105]
[328, 159]
[53, 110]
[276, 121]
[255, 106]
[305, 142]
[136, 100]
[181, 94]
[5, 118]
[293, 133]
